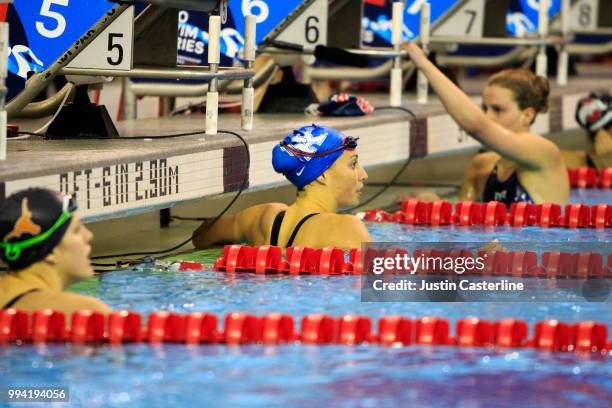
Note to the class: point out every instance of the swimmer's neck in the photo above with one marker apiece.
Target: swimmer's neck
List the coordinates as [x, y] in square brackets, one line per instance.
[44, 276]
[316, 199]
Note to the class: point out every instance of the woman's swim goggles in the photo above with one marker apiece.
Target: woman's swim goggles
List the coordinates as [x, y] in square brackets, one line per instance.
[12, 250]
[349, 143]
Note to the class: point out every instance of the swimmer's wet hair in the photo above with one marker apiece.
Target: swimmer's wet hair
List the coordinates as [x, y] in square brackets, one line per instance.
[530, 90]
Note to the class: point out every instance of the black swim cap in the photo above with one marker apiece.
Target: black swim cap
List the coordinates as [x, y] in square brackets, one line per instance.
[32, 223]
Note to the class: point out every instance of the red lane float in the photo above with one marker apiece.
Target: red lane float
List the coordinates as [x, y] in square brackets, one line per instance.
[474, 332]
[395, 330]
[48, 326]
[552, 335]
[331, 261]
[124, 327]
[354, 329]
[87, 327]
[277, 328]
[494, 213]
[510, 333]
[242, 328]
[433, 331]
[318, 329]
[14, 326]
[589, 177]
[605, 178]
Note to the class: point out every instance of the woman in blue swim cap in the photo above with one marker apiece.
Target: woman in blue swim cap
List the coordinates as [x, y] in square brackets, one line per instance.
[323, 164]
[46, 248]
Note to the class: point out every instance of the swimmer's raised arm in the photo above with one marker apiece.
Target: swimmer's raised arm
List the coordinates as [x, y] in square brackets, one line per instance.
[528, 150]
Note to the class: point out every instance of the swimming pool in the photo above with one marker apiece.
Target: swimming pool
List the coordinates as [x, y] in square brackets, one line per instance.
[138, 375]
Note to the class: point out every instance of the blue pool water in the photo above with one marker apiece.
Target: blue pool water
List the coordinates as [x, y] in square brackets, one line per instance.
[299, 375]
[590, 196]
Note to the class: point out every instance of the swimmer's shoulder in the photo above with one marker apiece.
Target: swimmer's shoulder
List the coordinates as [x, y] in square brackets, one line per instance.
[340, 230]
[255, 223]
[548, 153]
[61, 301]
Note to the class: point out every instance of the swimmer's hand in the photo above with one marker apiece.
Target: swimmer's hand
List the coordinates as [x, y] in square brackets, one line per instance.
[493, 246]
[425, 196]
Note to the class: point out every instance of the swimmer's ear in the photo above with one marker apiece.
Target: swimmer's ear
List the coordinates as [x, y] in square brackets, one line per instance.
[50, 259]
[321, 179]
[529, 115]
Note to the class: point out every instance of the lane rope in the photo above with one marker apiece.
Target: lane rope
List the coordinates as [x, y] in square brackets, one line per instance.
[48, 326]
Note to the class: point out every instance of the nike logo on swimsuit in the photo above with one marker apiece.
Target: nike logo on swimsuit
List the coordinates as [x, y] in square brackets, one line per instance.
[299, 173]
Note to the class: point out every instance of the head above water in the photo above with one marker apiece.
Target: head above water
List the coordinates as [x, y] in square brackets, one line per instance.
[308, 152]
[594, 112]
[322, 154]
[514, 97]
[38, 224]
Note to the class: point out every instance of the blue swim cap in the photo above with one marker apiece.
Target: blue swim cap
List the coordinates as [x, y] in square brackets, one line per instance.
[306, 153]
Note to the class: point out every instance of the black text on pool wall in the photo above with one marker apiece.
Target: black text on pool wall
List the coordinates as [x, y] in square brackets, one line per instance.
[121, 183]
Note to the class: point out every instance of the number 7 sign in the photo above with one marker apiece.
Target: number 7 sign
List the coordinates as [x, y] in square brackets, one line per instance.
[112, 49]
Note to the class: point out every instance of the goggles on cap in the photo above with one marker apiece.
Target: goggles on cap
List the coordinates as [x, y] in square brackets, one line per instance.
[349, 143]
[12, 250]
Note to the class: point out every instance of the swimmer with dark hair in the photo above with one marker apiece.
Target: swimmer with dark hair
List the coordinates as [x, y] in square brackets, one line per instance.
[46, 248]
[521, 166]
[323, 164]
[593, 114]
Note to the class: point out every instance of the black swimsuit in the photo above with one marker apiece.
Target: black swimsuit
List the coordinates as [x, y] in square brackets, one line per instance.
[276, 226]
[18, 298]
[508, 192]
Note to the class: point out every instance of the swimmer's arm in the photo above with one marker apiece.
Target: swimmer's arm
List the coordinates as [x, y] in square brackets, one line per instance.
[481, 166]
[469, 187]
[528, 150]
[242, 226]
[223, 230]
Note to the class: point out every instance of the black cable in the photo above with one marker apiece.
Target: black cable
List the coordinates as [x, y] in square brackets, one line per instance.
[242, 187]
[400, 108]
[168, 136]
[399, 173]
[177, 217]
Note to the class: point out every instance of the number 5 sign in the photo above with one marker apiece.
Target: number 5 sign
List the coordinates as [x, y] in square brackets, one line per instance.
[112, 49]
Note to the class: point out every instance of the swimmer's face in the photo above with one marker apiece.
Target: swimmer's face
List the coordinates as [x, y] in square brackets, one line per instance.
[498, 103]
[345, 178]
[71, 255]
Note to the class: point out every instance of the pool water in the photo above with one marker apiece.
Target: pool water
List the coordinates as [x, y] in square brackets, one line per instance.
[138, 375]
[590, 196]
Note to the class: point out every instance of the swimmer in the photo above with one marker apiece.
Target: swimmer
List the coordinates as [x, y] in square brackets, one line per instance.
[324, 165]
[521, 166]
[46, 248]
[594, 114]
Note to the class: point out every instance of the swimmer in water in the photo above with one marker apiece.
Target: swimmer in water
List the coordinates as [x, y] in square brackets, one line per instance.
[521, 166]
[46, 248]
[323, 164]
[594, 114]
